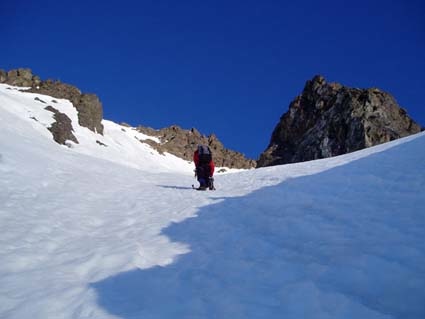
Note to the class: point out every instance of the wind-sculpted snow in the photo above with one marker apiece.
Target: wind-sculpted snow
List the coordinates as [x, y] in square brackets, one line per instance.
[82, 236]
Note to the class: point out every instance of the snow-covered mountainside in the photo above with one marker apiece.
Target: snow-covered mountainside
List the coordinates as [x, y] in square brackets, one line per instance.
[94, 231]
[119, 144]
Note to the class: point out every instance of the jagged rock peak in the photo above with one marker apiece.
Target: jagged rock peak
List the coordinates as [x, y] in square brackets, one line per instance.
[182, 143]
[89, 107]
[331, 119]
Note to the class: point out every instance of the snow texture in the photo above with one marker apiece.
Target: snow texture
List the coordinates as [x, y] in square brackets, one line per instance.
[89, 231]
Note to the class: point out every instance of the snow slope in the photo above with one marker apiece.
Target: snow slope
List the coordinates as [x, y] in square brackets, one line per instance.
[117, 232]
[123, 144]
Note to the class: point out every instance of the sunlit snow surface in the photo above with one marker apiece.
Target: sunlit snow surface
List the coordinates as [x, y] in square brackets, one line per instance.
[117, 232]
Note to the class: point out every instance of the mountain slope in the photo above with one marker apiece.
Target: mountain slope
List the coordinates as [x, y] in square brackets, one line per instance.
[88, 113]
[85, 233]
[119, 144]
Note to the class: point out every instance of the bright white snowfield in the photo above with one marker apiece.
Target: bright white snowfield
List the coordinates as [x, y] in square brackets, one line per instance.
[89, 231]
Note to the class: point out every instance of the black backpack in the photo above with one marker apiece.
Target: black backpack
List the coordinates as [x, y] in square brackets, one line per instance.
[204, 153]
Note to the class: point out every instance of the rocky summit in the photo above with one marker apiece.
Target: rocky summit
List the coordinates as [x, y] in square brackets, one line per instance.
[329, 119]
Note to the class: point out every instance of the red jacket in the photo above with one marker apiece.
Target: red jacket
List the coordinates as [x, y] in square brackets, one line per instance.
[196, 160]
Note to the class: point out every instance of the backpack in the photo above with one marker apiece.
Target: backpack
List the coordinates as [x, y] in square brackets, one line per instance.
[204, 153]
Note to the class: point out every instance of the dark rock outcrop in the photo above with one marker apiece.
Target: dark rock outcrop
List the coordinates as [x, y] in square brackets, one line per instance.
[330, 119]
[90, 111]
[182, 143]
[62, 128]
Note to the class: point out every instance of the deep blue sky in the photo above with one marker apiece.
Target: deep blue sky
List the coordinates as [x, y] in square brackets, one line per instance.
[225, 67]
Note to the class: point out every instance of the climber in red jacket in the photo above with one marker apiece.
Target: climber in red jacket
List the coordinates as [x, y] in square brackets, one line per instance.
[204, 165]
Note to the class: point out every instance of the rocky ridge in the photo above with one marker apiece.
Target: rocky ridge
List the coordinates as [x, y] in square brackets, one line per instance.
[89, 107]
[182, 143]
[174, 139]
[329, 119]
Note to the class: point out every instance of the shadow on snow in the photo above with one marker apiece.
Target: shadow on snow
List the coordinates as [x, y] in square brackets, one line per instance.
[174, 187]
[334, 244]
